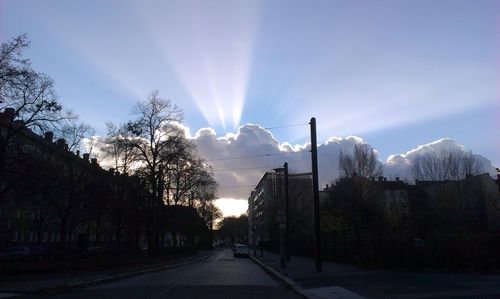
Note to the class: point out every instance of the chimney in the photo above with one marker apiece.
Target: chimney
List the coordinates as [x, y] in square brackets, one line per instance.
[9, 113]
[17, 124]
[61, 142]
[48, 136]
[86, 157]
[94, 161]
[397, 179]
[380, 178]
[385, 179]
[78, 153]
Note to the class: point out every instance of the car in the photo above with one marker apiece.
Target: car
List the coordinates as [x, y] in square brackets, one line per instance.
[38, 252]
[18, 253]
[241, 250]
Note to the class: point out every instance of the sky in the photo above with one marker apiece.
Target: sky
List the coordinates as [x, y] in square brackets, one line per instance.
[396, 74]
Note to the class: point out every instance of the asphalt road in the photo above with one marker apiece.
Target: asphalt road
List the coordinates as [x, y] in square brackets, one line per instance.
[219, 276]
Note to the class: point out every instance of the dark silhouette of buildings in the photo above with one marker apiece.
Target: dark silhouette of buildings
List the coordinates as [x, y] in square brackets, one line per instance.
[266, 206]
[380, 222]
[66, 202]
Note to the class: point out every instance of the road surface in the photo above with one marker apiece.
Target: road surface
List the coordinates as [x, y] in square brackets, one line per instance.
[219, 276]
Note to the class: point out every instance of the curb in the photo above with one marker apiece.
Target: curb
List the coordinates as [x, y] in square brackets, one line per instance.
[110, 278]
[287, 281]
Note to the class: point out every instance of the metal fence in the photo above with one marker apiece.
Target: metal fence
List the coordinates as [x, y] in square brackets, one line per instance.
[375, 247]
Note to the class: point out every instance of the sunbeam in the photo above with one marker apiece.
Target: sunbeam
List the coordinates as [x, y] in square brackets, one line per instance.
[211, 54]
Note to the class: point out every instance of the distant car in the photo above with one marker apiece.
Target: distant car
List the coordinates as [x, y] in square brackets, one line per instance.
[241, 250]
[18, 253]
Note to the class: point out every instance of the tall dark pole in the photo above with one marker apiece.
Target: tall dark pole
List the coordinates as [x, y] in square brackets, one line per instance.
[287, 215]
[281, 217]
[314, 161]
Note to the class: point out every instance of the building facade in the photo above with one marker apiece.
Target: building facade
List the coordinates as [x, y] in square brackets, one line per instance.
[266, 206]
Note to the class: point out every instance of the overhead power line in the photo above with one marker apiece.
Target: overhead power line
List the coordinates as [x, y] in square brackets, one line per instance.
[235, 186]
[286, 126]
[255, 156]
[245, 168]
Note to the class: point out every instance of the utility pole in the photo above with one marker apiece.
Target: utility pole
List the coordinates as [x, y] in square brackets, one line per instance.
[281, 217]
[314, 162]
[287, 215]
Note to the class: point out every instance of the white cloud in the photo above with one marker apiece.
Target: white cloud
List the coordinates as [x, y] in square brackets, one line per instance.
[255, 147]
[400, 164]
[237, 178]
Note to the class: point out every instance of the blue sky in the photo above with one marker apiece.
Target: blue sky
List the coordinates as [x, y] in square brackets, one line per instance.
[397, 73]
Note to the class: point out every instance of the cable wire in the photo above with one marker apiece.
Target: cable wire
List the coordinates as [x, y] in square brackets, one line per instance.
[235, 186]
[255, 156]
[286, 126]
[246, 168]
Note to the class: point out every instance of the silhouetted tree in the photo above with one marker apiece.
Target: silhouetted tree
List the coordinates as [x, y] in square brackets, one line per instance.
[445, 165]
[187, 179]
[234, 228]
[362, 162]
[31, 102]
[205, 203]
[119, 148]
[75, 181]
[149, 132]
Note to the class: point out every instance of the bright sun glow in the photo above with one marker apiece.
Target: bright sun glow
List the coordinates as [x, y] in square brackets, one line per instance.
[231, 206]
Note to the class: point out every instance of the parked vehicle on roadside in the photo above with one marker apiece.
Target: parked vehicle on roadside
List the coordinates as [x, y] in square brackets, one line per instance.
[39, 252]
[241, 250]
[17, 253]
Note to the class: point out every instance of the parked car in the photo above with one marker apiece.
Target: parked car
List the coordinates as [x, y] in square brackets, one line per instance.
[17, 253]
[38, 252]
[241, 250]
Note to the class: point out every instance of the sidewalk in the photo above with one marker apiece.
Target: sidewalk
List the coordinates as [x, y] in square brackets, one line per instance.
[40, 283]
[348, 281]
